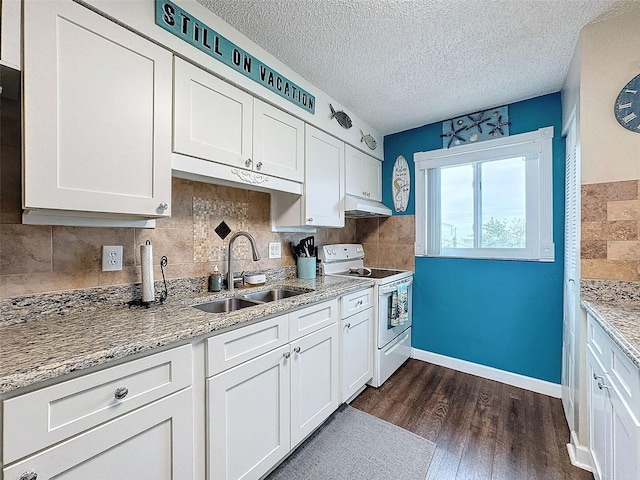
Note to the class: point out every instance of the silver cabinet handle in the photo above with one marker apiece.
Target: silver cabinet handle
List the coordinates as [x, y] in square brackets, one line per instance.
[358, 303]
[247, 162]
[602, 385]
[297, 349]
[348, 325]
[286, 354]
[29, 475]
[258, 165]
[597, 377]
[163, 206]
[121, 392]
[310, 219]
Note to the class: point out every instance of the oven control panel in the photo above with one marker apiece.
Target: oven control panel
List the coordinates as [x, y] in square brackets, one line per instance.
[341, 251]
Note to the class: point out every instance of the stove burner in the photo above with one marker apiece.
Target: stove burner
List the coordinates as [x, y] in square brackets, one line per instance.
[362, 272]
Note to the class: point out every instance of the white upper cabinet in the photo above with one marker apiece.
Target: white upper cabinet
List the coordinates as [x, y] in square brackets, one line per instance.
[217, 122]
[324, 180]
[363, 174]
[278, 142]
[10, 17]
[213, 120]
[97, 115]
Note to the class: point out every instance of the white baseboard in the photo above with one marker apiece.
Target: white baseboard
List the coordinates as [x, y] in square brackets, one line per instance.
[579, 455]
[517, 380]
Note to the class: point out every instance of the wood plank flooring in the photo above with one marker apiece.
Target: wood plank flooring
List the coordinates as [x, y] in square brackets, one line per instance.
[483, 429]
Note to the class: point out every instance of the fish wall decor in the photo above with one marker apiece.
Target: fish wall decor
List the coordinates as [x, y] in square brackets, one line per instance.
[343, 119]
[368, 140]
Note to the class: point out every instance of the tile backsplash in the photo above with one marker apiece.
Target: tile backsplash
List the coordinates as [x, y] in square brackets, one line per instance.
[610, 219]
[388, 241]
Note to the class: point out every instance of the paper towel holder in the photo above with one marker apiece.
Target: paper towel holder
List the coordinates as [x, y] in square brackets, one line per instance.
[163, 295]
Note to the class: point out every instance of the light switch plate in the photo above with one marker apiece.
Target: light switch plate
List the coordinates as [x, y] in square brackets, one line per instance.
[275, 250]
[111, 258]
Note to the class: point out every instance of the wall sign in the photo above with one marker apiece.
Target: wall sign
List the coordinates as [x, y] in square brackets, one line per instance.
[185, 26]
[401, 184]
[476, 127]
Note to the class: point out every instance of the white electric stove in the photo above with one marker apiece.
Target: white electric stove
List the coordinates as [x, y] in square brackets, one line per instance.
[393, 342]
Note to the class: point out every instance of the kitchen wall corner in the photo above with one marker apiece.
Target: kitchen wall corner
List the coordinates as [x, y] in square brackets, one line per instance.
[388, 241]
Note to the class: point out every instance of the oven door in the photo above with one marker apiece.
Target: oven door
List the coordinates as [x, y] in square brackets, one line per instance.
[386, 330]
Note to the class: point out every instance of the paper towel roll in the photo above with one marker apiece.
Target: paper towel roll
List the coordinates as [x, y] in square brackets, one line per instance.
[146, 264]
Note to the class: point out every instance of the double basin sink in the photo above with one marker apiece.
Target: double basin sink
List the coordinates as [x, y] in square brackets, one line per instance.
[248, 300]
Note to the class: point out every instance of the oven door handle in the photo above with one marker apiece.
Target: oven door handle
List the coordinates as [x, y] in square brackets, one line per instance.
[386, 290]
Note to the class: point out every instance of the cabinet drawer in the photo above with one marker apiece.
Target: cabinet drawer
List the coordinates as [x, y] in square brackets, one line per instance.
[598, 340]
[41, 418]
[356, 302]
[312, 318]
[232, 348]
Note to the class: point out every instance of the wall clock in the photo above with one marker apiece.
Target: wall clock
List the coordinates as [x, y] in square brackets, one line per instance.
[627, 106]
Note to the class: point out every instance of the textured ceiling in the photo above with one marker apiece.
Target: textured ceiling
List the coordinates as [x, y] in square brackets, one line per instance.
[399, 64]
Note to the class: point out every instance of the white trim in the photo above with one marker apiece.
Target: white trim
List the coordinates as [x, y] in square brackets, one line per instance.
[515, 379]
[537, 148]
[579, 455]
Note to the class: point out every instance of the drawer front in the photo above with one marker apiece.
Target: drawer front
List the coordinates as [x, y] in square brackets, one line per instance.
[232, 348]
[41, 418]
[626, 377]
[356, 302]
[598, 340]
[310, 319]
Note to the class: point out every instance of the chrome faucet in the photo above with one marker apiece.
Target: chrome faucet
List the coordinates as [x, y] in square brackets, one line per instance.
[256, 256]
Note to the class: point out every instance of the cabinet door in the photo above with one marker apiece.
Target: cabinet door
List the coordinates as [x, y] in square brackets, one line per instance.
[599, 417]
[356, 358]
[155, 441]
[278, 142]
[248, 417]
[324, 179]
[625, 436]
[314, 381]
[97, 114]
[364, 174]
[213, 120]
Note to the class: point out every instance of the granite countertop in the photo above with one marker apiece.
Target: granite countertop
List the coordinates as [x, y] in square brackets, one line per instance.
[620, 319]
[55, 345]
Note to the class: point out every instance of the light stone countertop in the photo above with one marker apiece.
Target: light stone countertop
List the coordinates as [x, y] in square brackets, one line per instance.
[49, 347]
[621, 321]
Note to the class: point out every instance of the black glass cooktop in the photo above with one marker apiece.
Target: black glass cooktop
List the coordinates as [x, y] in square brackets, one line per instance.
[372, 272]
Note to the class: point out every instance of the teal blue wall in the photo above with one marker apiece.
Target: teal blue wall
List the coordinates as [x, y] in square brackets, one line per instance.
[503, 314]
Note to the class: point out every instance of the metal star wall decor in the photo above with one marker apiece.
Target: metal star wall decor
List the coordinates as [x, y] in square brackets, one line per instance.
[469, 128]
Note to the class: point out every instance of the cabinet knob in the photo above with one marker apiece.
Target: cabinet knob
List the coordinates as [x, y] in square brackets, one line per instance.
[596, 377]
[358, 303]
[310, 220]
[286, 354]
[247, 162]
[29, 475]
[163, 206]
[348, 325]
[602, 385]
[121, 392]
[258, 165]
[297, 349]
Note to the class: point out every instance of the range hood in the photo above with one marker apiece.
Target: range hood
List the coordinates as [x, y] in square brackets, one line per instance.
[363, 208]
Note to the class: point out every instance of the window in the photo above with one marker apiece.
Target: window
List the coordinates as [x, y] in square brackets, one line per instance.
[487, 200]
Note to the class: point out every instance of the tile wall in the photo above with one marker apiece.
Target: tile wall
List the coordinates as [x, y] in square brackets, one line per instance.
[610, 241]
[388, 242]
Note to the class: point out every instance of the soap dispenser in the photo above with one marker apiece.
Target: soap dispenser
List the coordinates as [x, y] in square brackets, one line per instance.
[215, 280]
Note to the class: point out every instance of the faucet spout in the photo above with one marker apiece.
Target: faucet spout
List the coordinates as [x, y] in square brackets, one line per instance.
[254, 251]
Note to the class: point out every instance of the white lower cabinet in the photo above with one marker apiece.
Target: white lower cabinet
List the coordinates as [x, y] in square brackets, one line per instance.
[133, 420]
[613, 408]
[262, 408]
[155, 441]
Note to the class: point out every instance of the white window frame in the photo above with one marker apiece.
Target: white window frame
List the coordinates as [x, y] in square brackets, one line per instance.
[537, 149]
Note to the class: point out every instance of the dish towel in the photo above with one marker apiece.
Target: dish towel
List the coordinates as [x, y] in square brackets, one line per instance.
[402, 314]
[393, 313]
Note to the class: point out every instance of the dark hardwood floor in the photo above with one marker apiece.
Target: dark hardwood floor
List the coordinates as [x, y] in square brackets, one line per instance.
[483, 429]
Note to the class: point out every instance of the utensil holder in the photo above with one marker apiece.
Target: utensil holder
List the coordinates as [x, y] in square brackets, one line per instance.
[306, 267]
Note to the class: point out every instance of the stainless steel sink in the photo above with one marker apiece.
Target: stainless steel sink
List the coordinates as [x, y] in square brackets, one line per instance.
[271, 295]
[226, 305]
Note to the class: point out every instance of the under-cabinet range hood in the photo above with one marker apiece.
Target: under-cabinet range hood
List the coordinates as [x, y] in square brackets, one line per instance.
[362, 208]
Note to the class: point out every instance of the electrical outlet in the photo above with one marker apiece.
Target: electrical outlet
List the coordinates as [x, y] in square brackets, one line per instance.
[275, 250]
[111, 258]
